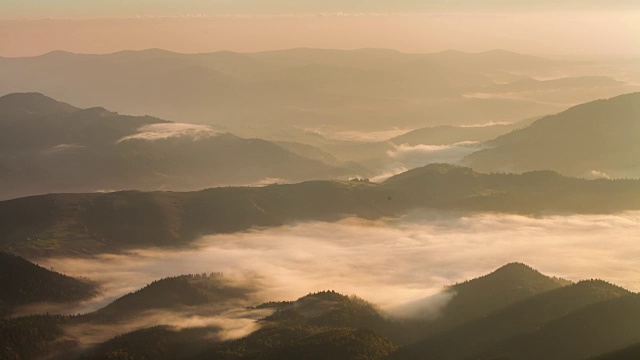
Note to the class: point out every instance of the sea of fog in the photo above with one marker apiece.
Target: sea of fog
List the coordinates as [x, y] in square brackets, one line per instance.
[388, 262]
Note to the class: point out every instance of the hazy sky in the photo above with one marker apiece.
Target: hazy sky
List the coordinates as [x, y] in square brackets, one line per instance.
[559, 27]
[93, 8]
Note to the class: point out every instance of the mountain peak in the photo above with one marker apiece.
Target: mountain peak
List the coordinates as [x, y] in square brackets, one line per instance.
[512, 273]
[515, 267]
[509, 284]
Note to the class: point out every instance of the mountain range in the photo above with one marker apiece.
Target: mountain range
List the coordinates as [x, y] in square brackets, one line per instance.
[360, 90]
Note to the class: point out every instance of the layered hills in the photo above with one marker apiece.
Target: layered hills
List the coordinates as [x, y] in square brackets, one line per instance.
[49, 146]
[361, 89]
[514, 312]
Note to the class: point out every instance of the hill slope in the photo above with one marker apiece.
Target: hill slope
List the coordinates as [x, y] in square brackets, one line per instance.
[519, 318]
[171, 293]
[599, 328]
[477, 298]
[25, 283]
[594, 139]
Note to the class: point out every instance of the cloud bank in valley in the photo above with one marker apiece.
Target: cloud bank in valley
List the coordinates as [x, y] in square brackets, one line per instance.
[389, 262]
[401, 265]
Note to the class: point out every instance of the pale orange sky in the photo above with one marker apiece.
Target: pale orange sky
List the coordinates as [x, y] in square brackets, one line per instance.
[560, 34]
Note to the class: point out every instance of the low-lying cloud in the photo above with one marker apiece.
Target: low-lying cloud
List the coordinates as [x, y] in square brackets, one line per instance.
[401, 265]
[419, 155]
[391, 262]
[170, 130]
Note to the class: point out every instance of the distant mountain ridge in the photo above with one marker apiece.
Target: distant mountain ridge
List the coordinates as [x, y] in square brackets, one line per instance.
[360, 90]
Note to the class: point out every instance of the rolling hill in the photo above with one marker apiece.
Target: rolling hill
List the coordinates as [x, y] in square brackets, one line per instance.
[171, 293]
[597, 139]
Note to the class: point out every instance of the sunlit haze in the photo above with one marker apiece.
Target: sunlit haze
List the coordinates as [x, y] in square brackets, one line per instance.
[598, 29]
[320, 179]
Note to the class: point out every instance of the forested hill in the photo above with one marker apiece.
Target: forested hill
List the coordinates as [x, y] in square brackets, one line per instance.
[97, 222]
[25, 283]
